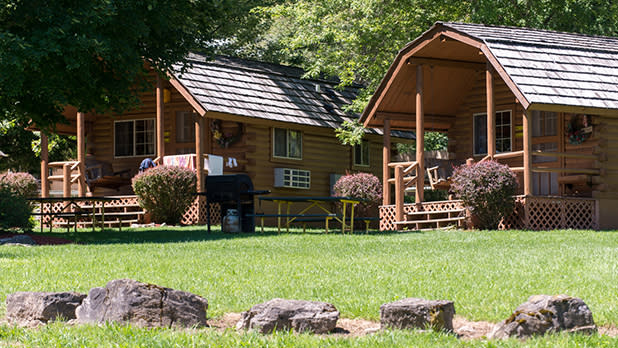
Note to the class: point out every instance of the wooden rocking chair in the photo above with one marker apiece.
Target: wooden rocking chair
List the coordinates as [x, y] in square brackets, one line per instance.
[101, 174]
[435, 181]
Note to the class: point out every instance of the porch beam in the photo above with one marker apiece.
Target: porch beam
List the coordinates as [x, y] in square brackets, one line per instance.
[460, 64]
[411, 117]
[160, 121]
[386, 158]
[44, 165]
[199, 164]
[527, 123]
[491, 112]
[81, 153]
[420, 136]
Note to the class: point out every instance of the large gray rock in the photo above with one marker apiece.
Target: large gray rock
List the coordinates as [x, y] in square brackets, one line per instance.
[418, 313]
[545, 313]
[281, 314]
[36, 308]
[141, 304]
[20, 239]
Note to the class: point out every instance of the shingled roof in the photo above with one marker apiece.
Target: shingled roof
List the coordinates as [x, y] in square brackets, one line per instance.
[268, 91]
[550, 67]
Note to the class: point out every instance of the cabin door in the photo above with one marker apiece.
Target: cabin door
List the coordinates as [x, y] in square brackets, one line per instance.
[545, 138]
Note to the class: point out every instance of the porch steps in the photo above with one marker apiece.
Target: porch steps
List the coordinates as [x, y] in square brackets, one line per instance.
[430, 220]
[125, 215]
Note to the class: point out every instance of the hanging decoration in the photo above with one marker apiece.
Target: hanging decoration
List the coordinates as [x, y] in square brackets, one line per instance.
[579, 129]
[225, 139]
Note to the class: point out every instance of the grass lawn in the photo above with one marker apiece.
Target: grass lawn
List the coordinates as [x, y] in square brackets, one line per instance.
[487, 274]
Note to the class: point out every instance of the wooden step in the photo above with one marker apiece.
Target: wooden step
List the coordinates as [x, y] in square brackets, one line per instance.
[89, 206]
[454, 219]
[436, 212]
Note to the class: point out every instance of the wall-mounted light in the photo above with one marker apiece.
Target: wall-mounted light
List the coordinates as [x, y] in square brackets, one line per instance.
[167, 95]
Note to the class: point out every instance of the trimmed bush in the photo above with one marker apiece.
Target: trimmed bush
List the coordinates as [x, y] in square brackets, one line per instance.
[487, 189]
[362, 186]
[14, 210]
[165, 192]
[22, 184]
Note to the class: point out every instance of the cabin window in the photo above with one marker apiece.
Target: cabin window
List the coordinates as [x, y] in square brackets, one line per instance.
[287, 143]
[185, 127]
[134, 138]
[361, 154]
[503, 132]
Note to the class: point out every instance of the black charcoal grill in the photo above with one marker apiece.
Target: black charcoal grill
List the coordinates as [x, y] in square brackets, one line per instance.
[233, 192]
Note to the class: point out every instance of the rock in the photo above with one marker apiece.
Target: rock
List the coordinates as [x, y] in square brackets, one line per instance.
[545, 313]
[36, 308]
[141, 304]
[20, 239]
[281, 314]
[418, 313]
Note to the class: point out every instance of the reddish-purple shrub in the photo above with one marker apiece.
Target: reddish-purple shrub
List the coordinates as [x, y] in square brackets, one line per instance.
[165, 192]
[487, 189]
[363, 186]
[20, 183]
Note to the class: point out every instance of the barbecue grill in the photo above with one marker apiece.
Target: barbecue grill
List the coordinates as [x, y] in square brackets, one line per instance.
[232, 192]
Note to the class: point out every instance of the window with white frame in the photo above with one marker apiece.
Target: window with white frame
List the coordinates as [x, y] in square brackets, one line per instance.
[287, 143]
[185, 127]
[134, 138]
[361, 154]
[503, 132]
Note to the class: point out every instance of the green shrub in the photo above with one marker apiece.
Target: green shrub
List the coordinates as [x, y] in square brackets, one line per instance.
[362, 186]
[14, 210]
[165, 192]
[487, 189]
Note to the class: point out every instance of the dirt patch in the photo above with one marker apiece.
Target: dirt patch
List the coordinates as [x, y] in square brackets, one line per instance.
[464, 328]
[40, 239]
[609, 330]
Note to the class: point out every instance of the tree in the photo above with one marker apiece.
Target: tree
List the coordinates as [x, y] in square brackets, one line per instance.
[95, 54]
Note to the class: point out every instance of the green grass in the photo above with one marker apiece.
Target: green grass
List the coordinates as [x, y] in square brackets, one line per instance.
[486, 273]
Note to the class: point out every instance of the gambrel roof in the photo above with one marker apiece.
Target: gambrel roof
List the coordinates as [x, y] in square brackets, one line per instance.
[550, 67]
[267, 91]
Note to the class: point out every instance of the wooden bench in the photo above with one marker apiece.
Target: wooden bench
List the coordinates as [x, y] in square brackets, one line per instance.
[296, 218]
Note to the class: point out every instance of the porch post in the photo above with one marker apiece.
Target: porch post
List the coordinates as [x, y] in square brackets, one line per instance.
[81, 153]
[527, 122]
[491, 112]
[160, 121]
[420, 136]
[386, 158]
[199, 164]
[44, 165]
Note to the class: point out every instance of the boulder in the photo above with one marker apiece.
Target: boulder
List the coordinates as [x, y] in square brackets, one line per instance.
[141, 304]
[545, 313]
[36, 308]
[20, 239]
[281, 314]
[418, 313]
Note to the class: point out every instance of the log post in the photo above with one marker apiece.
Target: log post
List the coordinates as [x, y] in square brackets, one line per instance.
[199, 164]
[386, 158]
[491, 112]
[399, 188]
[81, 153]
[66, 180]
[44, 166]
[420, 136]
[160, 121]
[527, 123]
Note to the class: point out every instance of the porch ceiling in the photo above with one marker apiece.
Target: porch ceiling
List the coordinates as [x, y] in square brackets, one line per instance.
[449, 68]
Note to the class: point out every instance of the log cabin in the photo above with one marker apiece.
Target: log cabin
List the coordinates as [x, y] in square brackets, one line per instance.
[543, 102]
[259, 119]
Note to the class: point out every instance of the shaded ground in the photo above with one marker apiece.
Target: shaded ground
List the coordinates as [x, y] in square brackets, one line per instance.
[39, 239]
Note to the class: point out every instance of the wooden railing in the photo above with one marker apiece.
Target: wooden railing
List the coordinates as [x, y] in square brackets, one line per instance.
[403, 179]
[538, 169]
[71, 173]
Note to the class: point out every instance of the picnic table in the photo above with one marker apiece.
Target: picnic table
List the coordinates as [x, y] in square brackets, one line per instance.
[72, 209]
[322, 203]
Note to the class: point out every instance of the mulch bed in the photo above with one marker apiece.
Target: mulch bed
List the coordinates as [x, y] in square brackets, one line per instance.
[40, 239]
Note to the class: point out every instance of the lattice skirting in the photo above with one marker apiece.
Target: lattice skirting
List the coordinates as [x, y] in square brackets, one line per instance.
[531, 213]
[120, 203]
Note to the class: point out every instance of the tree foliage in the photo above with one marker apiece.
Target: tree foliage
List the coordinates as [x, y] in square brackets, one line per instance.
[92, 54]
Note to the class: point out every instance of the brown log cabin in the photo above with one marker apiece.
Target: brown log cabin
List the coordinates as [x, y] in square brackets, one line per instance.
[263, 119]
[545, 103]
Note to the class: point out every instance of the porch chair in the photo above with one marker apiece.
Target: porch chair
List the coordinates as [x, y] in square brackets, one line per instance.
[101, 174]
